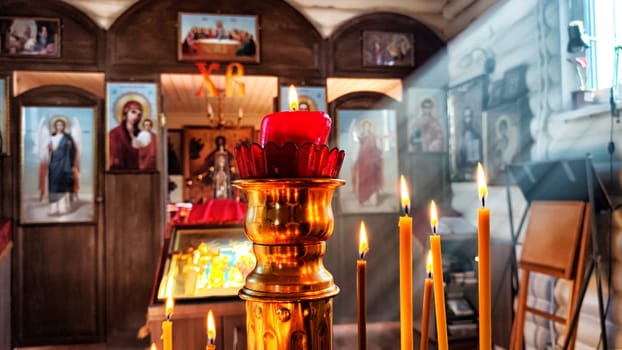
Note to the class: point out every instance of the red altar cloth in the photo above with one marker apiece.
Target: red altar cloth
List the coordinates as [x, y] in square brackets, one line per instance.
[217, 211]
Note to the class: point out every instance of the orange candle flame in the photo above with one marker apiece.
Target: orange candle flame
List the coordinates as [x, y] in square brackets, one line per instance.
[433, 216]
[293, 98]
[481, 183]
[405, 194]
[211, 328]
[363, 245]
[169, 307]
[428, 264]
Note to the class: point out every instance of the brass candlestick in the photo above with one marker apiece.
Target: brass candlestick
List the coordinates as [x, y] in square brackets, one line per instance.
[289, 294]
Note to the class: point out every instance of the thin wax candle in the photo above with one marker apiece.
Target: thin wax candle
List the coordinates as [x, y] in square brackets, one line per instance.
[406, 270]
[483, 271]
[439, 288]
[361, 269]
[167, 325]
[427, 299]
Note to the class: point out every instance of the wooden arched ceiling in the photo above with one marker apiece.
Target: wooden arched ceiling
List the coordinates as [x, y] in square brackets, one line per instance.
[446, 17]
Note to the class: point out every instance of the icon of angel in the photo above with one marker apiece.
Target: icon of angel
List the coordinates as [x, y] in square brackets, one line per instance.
[58, 150]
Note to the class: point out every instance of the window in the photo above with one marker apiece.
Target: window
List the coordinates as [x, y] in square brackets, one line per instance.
[603, 22]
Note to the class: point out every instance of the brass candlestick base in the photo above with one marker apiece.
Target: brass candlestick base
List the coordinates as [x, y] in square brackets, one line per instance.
[289, 293]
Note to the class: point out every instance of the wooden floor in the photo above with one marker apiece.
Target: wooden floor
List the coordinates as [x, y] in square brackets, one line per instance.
[380, 336]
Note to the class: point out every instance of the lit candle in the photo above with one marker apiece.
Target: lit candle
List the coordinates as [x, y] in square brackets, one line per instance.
[439, 288]
[483, 253]
[153, 347]
[295, 126]
[167, 325]
[427, 297]
[211, 331]
[406, 302]
[361, 268]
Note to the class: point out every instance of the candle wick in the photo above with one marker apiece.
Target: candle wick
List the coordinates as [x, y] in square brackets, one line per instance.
[362, 255]
[434, 229]
[483, 201]
[430, 274]
[406, 209]
[168, 317]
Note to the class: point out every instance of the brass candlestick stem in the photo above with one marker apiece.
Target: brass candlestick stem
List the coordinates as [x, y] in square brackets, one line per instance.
[289, 293]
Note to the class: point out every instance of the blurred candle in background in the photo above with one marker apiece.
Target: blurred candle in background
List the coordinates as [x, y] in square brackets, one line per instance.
[167, 325]
[211, 331]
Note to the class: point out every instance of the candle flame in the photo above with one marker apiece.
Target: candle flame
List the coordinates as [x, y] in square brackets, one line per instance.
[433, 216]
[363, 245]
[293, 98]
[169, 306]
[153, 347]
[405, 194]
[481, 181]
[428, 264]
[211, 328]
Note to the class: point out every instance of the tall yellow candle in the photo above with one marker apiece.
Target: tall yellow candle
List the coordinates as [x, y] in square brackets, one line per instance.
[406, 307]
[211, 331]
[439, 288]
[483, 252]
[427, 298]
[361, 269]
[167, 325]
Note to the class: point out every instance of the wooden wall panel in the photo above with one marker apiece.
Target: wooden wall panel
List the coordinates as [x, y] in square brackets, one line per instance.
[57, 288]
[144, 39]
[345, 45]
[82, 41]
[133, 234]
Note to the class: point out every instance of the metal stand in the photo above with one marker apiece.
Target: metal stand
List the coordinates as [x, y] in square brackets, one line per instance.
[560, 180]
[289, 294]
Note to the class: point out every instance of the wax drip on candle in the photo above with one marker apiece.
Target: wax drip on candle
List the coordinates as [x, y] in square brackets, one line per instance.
[405, 194]
[363, 245]
[481, 183]
[433, 216]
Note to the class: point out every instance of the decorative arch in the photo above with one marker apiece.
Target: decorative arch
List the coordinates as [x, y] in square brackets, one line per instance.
[81, 318]
[82, 40]
[360, 100]
[143, 40]
[345, 45]
[61, 95]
